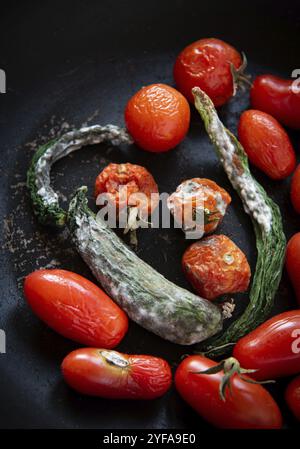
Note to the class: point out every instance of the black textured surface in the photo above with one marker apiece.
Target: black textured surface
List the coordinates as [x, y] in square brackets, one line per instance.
[68, 63]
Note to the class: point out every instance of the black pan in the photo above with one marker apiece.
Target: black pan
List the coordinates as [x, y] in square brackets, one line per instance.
[74, 62]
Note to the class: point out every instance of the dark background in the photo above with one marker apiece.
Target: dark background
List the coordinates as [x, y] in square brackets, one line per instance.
[74, 62]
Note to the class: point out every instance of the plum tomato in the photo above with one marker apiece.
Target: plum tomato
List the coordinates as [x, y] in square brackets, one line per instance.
[245, 405]
[207, 63]
[199, 204]
[292, 397]
[292, 263]
[277, 97]
[216, 266]
[295, 190]
[157, 117]
[273, 348]
[112, 375]
[267, 144]
[75, 307]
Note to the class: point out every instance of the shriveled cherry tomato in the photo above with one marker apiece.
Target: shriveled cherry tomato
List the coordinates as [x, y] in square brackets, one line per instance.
[128, 185]
[215, 266]
[75, 307]
[246, 406]
[199, 196]
[277, 97]
[267, 144]
[273, 348]
[292, 397]
[292, 262]
[112, 375]
[295, 190]
[207, 64]
[157, 117]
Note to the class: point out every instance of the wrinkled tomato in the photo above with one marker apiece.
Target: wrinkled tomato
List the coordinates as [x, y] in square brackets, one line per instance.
[75, 307]
[207, 64]
[128, 185]
[295, 190]
[277, 97]
[110, 374]
[246, 406]
[216, 266]
[273, 348]
[292, 397]
[292, 263]
[267, 144]
[157, 117]
[199, 203]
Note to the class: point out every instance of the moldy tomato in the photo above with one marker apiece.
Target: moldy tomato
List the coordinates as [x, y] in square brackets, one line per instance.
[216, 266]
[208, 64]
[199, 197]
[267, 144]
[157, 117]
[110, 374]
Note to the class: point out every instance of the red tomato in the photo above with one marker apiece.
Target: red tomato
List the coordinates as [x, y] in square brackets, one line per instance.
[292, 263]
[267, 144]
[277, 97]
[215, 266]
[157, 117]
[292, 396]
[110, 374]
[295, 190]
[75, 307]
[273, 348]
[124, 184]
[199, 195]
[248, 406]
[206, 64]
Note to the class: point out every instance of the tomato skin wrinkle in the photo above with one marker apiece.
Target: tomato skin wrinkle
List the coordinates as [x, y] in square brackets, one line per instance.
[275, 96]
[75, 307]
[269, 348]
[292, 263]
[292, 397]
[247, 406]
[206, 64]
[216, 266]
[135, 178]
[267, 144]
[157, 117]
[295, 190]
[97, 372]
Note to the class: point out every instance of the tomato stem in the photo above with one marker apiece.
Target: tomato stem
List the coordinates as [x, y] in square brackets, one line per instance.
[230, 367]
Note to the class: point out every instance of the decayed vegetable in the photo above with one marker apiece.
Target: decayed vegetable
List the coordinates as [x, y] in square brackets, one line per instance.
[266, 218]
[130, 191]
[151, 300]
[292, 263]
[112, 375]
[215, 266]
[44, 199]
[198, 205]
[148, 298]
